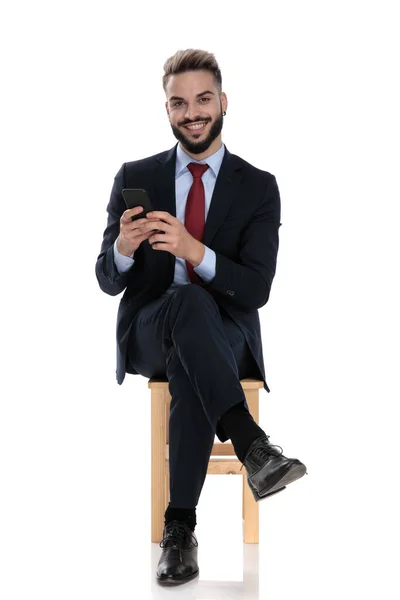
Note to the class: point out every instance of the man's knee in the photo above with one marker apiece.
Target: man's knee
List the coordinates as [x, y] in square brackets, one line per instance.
[193, 294]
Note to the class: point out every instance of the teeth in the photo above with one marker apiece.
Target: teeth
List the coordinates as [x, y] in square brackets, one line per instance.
[196, 126]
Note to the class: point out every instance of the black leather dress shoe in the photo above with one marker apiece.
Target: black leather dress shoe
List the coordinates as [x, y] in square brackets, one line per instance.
[268, 471]
[178, 560]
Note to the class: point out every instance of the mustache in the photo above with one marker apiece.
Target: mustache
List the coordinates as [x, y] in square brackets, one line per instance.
[193, 122]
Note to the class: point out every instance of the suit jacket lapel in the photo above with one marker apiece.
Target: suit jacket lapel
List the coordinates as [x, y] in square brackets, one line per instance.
[163, 198]
[226, 187]
[164, 183]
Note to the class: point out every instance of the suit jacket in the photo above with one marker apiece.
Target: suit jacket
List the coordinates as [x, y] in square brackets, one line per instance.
[241, 227]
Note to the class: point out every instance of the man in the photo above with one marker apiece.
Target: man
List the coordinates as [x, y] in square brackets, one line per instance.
[194, 274]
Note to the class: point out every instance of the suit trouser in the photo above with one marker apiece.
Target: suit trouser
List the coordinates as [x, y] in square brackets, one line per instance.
[186, 337]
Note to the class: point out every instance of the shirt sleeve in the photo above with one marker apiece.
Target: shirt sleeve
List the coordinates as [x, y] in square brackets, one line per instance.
[206, 269]
[122, 262]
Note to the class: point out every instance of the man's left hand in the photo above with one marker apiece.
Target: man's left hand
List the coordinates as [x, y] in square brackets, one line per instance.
[176, 239]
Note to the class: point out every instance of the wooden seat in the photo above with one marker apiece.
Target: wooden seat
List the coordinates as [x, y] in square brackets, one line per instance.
[227, 465]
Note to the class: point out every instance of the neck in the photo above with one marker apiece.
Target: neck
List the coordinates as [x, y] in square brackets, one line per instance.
[212, 149]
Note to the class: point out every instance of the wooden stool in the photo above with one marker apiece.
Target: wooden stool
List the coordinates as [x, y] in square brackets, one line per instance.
[230, 464]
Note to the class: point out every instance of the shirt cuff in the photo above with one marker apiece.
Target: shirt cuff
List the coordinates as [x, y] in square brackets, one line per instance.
[206, 269]
[122, 262]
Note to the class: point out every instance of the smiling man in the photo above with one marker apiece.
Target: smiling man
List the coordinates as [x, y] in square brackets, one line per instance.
[199, 136]
[194, 273]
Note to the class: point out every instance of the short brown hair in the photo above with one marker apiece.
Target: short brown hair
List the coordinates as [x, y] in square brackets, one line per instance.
[192, 60]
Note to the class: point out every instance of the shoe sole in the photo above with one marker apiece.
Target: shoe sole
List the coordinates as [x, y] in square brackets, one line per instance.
[269, 493]
[175, 581]
[293, 473]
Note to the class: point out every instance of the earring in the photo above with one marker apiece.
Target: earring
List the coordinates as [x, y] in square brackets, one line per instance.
[224, 113]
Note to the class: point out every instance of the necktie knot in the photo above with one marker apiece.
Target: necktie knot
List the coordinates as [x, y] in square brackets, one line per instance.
[197, 169]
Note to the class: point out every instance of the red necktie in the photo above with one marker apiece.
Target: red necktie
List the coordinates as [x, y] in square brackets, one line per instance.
[195, 211]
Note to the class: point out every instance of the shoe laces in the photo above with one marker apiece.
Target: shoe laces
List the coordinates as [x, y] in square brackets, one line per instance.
[265, 451]
[175, 533]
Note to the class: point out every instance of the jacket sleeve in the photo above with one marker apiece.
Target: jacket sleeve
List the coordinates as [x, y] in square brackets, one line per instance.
[247, 283]
[111, 281]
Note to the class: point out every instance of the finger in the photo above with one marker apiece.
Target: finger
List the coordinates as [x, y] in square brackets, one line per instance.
[160, 225]
[131, 212]
[161, 238]
[137, 234]
[129, 226]
[161, 246]
[160, 214]
[136, 223]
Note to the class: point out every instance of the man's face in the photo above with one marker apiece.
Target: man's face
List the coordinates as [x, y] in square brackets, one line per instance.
[193, 98]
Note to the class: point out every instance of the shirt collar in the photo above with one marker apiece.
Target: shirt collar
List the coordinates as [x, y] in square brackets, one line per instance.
[214, 161]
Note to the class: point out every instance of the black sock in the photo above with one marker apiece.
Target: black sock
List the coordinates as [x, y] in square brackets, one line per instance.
[241, 428]
[182, 514]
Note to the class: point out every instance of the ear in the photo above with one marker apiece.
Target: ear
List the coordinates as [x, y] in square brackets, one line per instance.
[224, 101]
[167, 108]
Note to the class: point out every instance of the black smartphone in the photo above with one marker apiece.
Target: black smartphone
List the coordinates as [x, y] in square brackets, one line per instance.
[137, 197]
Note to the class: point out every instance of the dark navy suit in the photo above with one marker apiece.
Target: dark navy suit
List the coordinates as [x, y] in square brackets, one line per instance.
[207, 341]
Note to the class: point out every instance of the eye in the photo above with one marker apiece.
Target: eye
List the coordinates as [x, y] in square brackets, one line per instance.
[206, 99]
[176, 103]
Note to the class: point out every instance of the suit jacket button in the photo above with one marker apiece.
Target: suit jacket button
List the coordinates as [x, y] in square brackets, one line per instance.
[230, 292]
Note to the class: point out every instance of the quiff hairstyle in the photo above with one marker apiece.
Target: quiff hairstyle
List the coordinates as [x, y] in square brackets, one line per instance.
[192, 60]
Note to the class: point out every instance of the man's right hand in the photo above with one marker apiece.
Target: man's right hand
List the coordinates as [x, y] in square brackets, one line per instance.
[130, 237]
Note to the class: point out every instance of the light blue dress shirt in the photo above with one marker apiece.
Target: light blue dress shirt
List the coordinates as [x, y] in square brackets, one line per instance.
[183, 183]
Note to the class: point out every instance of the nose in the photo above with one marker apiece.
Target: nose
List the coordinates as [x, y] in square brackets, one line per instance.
[191, 111]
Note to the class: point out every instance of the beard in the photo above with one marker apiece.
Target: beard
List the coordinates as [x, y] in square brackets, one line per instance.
[193, 146]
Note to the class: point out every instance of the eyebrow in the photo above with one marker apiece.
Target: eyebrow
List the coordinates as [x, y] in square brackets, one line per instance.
[197, 96]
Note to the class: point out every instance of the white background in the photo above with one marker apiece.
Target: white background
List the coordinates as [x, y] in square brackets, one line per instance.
[313, 98]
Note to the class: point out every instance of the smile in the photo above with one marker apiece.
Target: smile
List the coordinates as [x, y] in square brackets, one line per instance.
[198, 127]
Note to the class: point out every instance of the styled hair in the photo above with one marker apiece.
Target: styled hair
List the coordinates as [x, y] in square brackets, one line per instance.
[192, 60]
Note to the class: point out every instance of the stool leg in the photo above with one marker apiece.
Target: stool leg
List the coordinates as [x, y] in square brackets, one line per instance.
[166, 478]
[250, 506]
[243, 491]
[158, 464]
[251, 514]
[166, 492]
